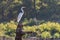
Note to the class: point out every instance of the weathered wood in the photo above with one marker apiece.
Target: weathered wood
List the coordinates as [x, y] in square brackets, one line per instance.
[19, 32]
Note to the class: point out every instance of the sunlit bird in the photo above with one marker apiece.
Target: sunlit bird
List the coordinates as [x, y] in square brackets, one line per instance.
[20, 15]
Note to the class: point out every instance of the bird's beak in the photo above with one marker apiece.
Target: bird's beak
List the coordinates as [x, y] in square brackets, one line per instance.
[24, 7]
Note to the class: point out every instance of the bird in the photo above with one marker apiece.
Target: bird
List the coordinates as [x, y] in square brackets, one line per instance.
[19, 31]
[20, 14]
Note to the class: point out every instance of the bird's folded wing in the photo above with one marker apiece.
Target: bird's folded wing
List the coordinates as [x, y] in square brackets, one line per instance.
[19, 17]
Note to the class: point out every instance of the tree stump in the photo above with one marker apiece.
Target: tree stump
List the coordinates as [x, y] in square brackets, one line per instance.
[19, 32]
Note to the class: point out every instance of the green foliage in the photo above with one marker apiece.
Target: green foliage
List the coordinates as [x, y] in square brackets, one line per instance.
[8, 28]
[42, 9]
[45, 30]
[32, 21]
[46, 35]
[56, 35]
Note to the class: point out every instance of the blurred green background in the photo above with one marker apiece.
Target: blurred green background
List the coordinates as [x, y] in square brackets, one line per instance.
[45, 13]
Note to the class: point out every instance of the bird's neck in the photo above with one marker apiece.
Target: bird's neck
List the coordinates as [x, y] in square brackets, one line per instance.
[22, 10]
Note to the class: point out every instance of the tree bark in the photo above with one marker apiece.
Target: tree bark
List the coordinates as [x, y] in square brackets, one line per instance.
[19, 32]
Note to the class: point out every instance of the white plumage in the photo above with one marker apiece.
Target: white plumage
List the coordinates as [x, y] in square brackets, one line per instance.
[20, 15]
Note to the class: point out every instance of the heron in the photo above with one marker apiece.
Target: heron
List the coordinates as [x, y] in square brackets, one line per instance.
[20, 14]
[19, 31]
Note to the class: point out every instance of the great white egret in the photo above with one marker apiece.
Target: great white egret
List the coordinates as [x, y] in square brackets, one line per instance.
[20, 15]
[19, 32]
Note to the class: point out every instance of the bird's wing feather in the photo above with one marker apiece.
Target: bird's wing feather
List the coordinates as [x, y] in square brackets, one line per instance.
[19, 17]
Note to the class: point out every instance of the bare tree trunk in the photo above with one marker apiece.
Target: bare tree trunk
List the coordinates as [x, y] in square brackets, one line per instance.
[19, 32]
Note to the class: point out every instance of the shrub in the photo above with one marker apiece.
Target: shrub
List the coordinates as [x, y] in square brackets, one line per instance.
[46, 35]
[56, 35]
[51, 29]
[8, 28]
[48, 28]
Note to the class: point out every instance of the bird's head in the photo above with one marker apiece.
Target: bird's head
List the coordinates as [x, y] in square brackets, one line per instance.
[23, 7]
